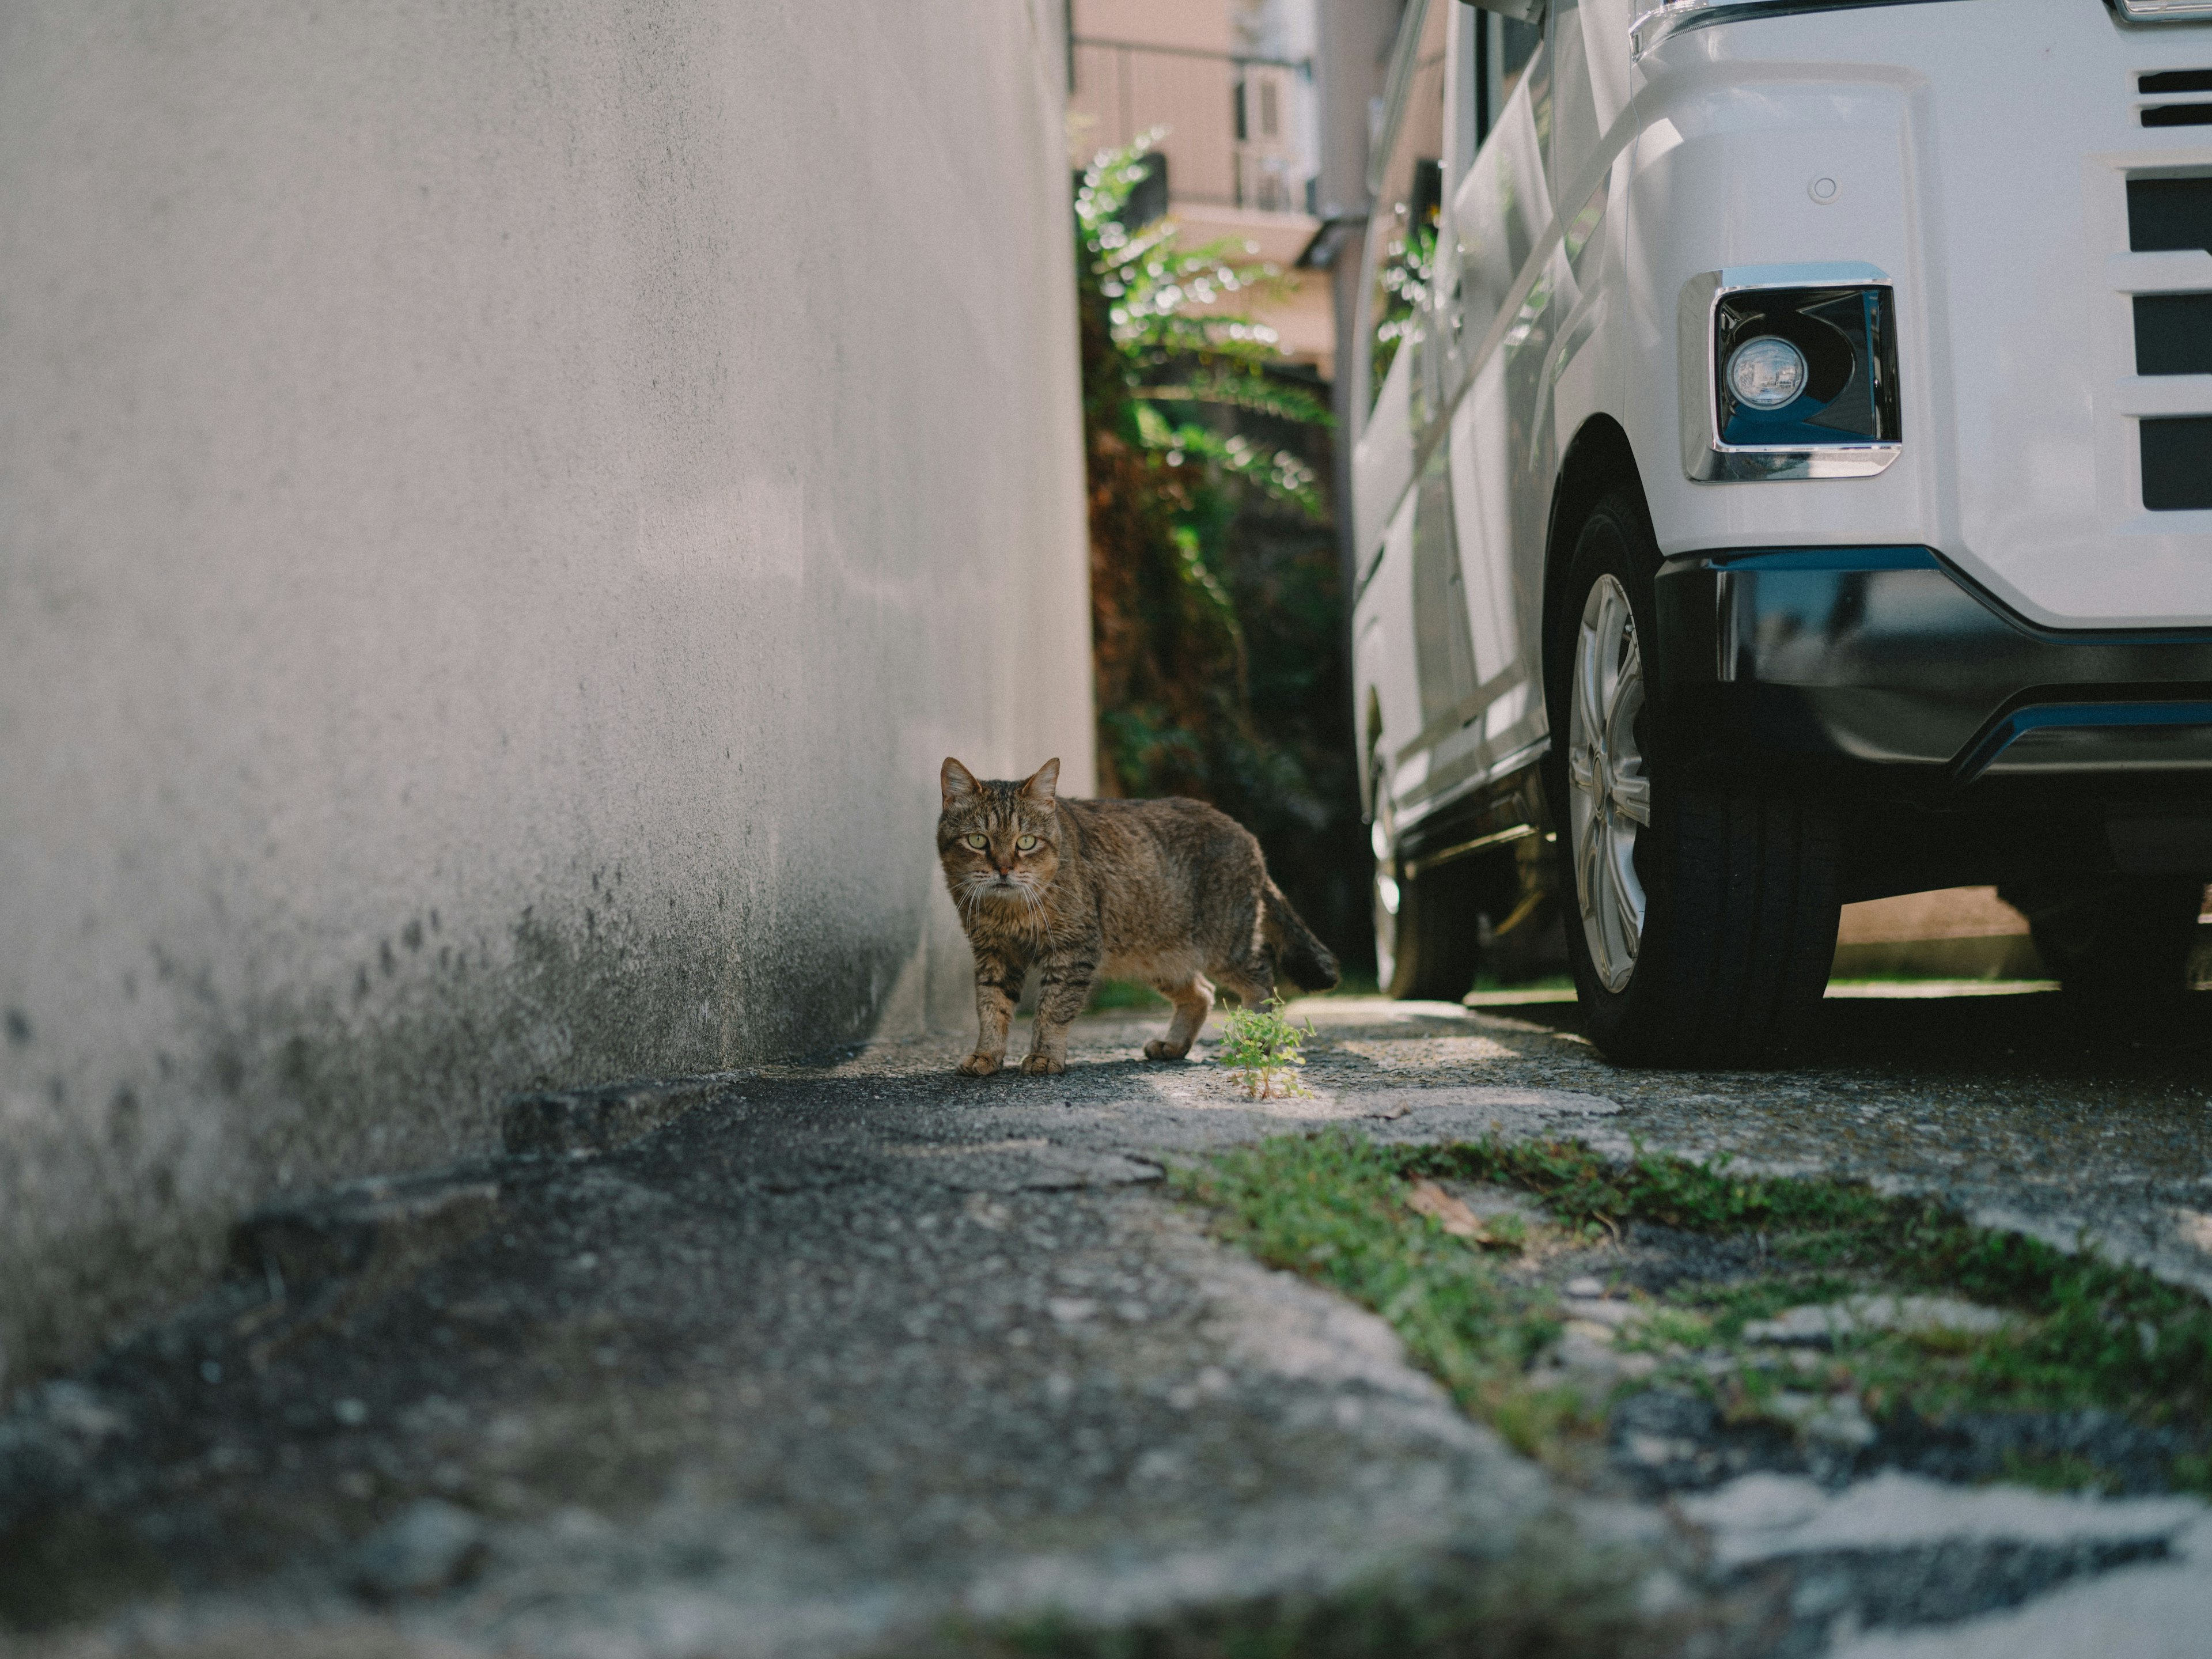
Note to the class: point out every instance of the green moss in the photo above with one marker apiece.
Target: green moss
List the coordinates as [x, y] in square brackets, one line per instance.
[2083, 1331]
[2058, 1472]
[1331, 1206]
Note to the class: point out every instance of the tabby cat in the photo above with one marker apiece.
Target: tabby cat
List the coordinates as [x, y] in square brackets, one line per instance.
[1166, 891]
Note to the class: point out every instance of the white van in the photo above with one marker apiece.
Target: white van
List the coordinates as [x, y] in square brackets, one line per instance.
[1784, 477]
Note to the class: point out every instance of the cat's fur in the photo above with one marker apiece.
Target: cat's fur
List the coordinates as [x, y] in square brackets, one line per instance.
[1168, 891]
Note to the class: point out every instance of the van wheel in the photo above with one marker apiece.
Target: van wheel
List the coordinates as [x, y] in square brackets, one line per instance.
[1704, 918]
[2117, 942]
[1426, 944]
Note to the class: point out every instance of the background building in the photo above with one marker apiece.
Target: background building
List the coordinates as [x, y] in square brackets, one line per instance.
[501, 514]
[1234, 84]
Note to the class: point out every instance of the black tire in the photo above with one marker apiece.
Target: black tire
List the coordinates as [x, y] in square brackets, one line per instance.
[2115, 942]
[1740, 883]
[1431, 948]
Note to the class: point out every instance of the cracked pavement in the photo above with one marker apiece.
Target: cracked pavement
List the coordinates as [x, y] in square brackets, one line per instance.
[855, 1349]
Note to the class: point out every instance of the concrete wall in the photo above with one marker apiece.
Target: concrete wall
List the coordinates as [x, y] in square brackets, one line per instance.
[503, 508]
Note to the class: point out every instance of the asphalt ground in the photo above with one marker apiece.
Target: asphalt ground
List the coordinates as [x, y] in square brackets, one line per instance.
[860, 1357]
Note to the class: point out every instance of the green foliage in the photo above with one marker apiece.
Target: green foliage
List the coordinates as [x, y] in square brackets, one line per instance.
[1261, 1049]
[1166, 361]
[1217, 604]
[1407, 268]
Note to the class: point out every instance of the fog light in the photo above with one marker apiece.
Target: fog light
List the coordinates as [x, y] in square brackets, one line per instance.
[1767, 373]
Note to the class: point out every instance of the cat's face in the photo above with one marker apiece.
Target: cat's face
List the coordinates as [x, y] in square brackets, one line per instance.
[999, 842]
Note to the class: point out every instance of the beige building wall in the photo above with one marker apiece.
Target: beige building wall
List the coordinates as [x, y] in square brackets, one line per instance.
[1192, 25]
[502, 512]
[1180, 81]
[1141, 65]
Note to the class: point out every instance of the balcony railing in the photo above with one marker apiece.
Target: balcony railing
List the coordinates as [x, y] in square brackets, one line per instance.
[1238, 127]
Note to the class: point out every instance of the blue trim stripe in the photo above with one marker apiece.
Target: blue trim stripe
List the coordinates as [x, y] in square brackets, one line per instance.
[2080, 716]
[1828, 558]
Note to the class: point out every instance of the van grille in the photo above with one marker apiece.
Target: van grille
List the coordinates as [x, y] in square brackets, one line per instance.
[2167, 215]
[2176, 464]
[2192, 114]
[2173, 331]
[2176, 80]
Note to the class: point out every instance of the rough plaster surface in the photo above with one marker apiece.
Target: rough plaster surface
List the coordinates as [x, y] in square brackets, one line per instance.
[502, 509]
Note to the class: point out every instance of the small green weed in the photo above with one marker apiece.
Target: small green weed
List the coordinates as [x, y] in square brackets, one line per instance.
[1261, 1050]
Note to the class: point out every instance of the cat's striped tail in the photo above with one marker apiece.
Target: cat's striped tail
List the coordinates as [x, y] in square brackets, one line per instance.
[1299, 957]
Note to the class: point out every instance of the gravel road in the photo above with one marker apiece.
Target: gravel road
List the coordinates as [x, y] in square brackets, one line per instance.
[854, 1357]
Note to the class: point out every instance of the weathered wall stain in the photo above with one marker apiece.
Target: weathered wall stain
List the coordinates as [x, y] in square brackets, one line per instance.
[501, 514]
[293, 1087]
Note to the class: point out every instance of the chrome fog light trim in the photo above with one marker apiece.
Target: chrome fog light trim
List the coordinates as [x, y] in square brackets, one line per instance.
[2165, 11]
[1707, 456]
[1671, 16]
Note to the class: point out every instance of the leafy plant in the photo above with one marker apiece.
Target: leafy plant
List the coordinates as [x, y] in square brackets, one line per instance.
[1261, 1047]
[1217, 637]
[1406, 272]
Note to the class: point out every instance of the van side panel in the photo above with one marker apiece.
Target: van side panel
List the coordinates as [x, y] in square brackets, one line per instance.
[1382, 655]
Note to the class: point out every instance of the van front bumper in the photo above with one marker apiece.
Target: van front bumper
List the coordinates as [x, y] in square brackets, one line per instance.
[1882, 671]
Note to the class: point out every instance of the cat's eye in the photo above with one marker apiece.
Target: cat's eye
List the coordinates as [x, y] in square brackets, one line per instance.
[979, 842]
[1026, 844]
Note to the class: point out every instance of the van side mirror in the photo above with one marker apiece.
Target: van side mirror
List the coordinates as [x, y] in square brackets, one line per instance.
[1520, 11]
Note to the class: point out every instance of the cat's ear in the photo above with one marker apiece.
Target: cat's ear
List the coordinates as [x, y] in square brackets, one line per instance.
[957, 781]
[1042, 781]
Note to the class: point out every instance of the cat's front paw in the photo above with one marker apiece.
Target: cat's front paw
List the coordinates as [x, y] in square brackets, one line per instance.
[1043, 1065]
[1161, 1048]
[978, 1065]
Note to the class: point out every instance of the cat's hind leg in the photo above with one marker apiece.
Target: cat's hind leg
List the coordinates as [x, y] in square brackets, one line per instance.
[1253, 980]
[1193, 1001]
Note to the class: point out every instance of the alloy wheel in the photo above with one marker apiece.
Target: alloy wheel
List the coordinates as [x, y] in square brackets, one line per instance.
[1610, 797]
[1386, 896]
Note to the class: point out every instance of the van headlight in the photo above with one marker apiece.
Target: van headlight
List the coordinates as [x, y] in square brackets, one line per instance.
[1789, 372]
